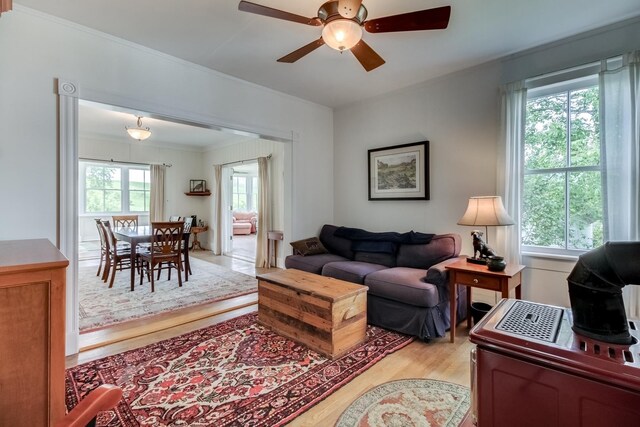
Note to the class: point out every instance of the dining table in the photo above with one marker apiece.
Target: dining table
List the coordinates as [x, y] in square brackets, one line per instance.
[142, 234]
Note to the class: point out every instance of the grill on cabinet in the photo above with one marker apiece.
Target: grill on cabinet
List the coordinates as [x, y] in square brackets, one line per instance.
[532, 369]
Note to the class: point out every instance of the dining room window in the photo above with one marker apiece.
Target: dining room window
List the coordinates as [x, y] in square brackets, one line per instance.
[108, 188]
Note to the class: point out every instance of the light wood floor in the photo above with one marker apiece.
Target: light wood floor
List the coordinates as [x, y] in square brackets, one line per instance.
[437, 360]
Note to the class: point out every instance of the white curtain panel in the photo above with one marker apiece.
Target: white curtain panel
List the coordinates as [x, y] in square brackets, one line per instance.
[620, 133]
[156, 208]
[226, 217]
[217, 210]
[513, 111]
[264, 213]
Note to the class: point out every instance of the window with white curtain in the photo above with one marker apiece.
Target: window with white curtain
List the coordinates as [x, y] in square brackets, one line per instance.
[571, 160]
[562, 203]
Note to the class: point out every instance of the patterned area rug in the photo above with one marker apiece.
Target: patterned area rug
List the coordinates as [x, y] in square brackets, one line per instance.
[407, 403]
[235, 373]
[101, 306]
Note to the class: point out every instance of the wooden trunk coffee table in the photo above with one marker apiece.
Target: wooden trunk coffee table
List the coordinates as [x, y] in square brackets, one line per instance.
[325, 314]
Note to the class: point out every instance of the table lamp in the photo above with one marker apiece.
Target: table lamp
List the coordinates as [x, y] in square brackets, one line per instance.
[484, 211]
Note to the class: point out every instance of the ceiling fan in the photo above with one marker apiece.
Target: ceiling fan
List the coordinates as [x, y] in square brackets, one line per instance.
[343, 21]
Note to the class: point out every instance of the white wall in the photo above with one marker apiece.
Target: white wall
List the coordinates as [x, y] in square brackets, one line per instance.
[456, 115]
[35, 49]
[459, 115]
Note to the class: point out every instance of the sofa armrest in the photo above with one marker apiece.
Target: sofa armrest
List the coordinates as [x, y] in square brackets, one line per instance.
[439, 276]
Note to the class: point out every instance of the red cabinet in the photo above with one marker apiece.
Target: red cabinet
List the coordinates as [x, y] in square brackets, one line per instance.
[561, 380]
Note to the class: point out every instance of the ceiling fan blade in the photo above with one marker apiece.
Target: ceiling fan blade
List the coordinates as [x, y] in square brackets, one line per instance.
[258, 9]
[367, 56]
[430, 19]
[349, 8]
[304, 50]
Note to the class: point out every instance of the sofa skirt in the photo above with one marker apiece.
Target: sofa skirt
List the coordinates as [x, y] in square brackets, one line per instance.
[424, 322]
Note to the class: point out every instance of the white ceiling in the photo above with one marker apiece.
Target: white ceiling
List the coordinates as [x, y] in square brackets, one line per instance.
[213, 33]
[107, 122]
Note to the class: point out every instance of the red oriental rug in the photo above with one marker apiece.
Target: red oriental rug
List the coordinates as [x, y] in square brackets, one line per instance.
[234, 373]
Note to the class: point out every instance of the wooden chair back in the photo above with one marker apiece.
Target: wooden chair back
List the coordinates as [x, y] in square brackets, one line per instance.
[125, 221]
[188, 223]
[166, 237]
[103, 238]
[110, 238]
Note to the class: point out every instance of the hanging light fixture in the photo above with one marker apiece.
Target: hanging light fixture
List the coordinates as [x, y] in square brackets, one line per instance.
[139, 132]
[342, 34]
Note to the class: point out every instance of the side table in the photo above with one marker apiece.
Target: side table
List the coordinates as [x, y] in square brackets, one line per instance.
[479, 276]
[196, 243]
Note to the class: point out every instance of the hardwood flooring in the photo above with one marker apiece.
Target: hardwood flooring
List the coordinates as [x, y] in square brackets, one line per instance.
[438, 359]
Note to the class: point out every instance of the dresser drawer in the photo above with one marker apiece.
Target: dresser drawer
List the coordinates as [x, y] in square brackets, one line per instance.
[478, 281]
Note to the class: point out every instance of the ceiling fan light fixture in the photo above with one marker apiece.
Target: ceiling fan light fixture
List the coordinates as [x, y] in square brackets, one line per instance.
[342, 34]
[139, 132]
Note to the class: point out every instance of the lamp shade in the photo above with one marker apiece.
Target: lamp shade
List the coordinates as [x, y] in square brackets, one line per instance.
[140, 133]
[485, 210]
[342, 34]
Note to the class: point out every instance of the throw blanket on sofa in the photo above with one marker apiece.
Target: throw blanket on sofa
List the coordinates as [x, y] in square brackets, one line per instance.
[384, 242]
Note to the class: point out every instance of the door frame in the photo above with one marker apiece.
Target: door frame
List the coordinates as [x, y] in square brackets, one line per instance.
[69, 94]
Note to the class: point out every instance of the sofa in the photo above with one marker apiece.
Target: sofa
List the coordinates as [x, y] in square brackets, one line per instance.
[244, 222]
[407, 281]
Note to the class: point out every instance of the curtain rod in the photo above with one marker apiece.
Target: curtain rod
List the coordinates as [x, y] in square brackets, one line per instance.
[120, 161]
[242, 161]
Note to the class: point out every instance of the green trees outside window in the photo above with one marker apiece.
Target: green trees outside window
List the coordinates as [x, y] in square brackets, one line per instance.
[245, 193]
[109, 189]
[562, 189]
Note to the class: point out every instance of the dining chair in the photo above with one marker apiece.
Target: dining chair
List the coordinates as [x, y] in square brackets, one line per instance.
[166, 238]
[188, 221]
[125, 221]
[119, 258]
[103, 250]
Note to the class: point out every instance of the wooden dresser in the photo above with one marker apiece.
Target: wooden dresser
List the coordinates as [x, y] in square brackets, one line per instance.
[32, 333]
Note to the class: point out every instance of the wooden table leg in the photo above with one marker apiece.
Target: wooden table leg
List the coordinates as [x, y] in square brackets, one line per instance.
[453, 297]
[133, 264]
[187, 266]
[468, 307]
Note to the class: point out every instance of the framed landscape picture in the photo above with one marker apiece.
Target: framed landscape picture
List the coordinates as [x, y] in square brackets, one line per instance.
[400, 172]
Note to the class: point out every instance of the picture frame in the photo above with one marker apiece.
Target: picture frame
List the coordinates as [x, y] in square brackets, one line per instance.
[197, 186]
[399, 172]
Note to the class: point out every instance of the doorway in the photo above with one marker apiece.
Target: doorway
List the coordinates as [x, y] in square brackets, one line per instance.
[242, 198]
[69, 165]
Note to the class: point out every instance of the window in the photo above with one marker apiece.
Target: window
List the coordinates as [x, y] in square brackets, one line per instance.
[103, 189]
[114, 188]
[240, 193]
[245, 193]
[562, 204]
[139, 190]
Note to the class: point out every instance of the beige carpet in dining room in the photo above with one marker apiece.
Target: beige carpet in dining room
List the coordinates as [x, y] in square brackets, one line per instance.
[101, 306]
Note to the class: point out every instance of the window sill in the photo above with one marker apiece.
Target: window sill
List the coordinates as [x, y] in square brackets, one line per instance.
[555, 257]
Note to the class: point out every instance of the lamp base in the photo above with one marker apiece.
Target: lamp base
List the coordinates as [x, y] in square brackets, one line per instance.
[480, 261]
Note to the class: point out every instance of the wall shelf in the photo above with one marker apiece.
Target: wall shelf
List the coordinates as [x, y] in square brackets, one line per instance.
[200, 193]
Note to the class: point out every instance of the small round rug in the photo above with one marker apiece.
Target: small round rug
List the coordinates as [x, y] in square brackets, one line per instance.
[407, 403]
